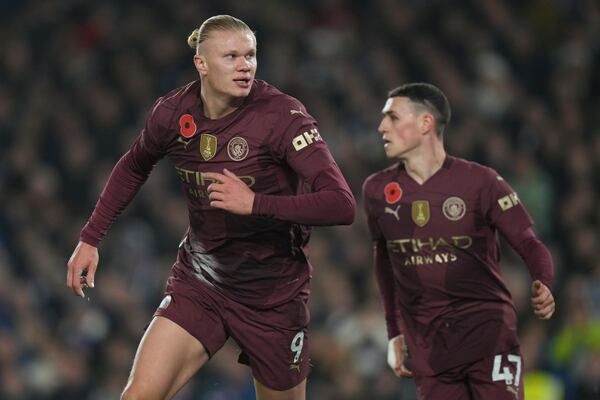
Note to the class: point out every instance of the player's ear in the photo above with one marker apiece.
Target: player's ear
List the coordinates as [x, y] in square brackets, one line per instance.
[200, 63]
[427, 122]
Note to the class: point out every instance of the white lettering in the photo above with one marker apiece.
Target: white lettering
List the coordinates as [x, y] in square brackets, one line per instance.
[509, 201]
[306, 138]
[299, 142]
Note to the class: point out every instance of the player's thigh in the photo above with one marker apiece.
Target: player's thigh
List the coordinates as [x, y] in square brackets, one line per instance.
[298, 392]
[497, 377]
[274, 343]
[167, 357]
[440, 388]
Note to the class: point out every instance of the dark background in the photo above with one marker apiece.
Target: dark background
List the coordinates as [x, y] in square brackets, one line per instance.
[77, 79]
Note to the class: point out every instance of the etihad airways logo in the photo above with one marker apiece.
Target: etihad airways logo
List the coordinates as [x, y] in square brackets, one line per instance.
[428, 251]
[198, 182]
[416, 245]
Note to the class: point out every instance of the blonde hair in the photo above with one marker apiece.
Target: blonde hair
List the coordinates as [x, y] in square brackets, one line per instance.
[216, 23]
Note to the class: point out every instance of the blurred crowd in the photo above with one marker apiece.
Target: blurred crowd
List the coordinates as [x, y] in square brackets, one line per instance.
[77, 79]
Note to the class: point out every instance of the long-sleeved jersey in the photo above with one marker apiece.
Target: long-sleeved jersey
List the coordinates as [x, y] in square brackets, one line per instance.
[437, 260]
[273, 145]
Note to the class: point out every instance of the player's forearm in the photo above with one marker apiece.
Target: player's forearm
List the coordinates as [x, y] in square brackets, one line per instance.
[124, 182]
[535, 255]
[538, 260]
[385, 282]
[331, 207]
[330, 203]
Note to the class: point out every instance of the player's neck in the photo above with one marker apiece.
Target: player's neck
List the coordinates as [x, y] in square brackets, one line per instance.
[425, 162]
[215, 106]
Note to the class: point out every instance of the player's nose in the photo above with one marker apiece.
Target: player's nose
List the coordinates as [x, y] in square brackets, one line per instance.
[244, 65]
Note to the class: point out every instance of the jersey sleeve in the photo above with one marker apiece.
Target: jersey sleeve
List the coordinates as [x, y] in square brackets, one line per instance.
[372, 224]
[126, 178]
[299, 145]
[536, 256]
[502, 207]
[387, 288]
[506, 212]
[382, 265]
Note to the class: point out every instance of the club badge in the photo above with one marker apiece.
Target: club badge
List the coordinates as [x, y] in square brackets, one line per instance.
[237, 148]
[454, 208]
[420, 212]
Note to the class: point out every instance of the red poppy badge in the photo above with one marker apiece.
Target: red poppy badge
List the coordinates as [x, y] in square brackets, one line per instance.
[187, 126]
[392, 192]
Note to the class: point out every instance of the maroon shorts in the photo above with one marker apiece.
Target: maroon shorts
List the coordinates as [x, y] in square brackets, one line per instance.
[497, 377]
[274, 341]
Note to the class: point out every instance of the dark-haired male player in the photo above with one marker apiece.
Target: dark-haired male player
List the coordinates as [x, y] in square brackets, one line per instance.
[434, 220]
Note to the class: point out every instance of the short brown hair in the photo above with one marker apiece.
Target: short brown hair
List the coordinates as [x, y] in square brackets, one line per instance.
[431, 97]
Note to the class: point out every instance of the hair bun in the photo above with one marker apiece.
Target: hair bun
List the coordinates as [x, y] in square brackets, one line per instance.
[193, 39]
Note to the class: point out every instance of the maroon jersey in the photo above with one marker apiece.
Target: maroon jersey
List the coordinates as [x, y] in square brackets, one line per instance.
[273, 145]
[437, 254]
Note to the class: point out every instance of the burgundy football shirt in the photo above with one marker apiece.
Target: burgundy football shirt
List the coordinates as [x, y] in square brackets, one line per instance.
[274, 146]
[437, 255]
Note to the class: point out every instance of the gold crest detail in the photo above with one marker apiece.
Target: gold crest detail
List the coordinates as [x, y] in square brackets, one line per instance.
[208, 146]
[420, 212]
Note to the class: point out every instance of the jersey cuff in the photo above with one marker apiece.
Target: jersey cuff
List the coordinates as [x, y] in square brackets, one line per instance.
[257, 205]
[87, 237]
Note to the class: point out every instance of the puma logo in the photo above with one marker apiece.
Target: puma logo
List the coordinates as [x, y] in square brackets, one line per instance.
[393, 212]
[295, 366]
[185, 142]
[513, 391]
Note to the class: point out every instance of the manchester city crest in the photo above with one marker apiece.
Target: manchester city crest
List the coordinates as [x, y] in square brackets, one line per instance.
[237, 148]
[454, 208]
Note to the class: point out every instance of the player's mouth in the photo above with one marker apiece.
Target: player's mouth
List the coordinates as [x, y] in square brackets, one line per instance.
[243, 83]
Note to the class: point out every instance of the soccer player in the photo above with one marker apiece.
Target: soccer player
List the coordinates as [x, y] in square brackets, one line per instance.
[434, 220]
[255, 173]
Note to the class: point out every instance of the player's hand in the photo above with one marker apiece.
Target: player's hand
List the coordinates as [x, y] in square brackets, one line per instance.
[229, 193]
[542, 300]
[397, 353]
[83, 259]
